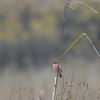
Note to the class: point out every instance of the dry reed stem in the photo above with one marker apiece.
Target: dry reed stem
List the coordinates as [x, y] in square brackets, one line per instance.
[84, 94]
[81, 2]
[70, 89]
[92, 44]
[79, 85]
[55, 87]
[11, 93]
[67, 4]
[62, 88]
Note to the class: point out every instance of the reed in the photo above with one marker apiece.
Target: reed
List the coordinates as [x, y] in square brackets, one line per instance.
[70, 3]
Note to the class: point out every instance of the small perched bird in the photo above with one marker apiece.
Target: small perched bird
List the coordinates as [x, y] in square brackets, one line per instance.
[57, 68]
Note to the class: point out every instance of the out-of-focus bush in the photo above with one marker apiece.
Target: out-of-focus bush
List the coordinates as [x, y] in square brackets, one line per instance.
[30, 30]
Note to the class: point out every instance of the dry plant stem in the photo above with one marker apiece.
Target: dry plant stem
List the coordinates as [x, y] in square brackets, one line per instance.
[80, 1]
[70, 90]
[67, 4]
[89, 7]
[78, 88]
[55, 87]
[61, 41]
[11, 93]
[64, 17]
[84, 94]
[62, 87]
[92, 44]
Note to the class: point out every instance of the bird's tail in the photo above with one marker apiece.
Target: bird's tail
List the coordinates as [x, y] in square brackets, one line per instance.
[60, 75]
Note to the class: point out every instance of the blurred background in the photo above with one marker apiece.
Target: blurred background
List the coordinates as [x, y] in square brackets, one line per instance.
[30, 35]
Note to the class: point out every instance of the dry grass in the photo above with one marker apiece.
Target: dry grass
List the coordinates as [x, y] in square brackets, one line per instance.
[38, 84]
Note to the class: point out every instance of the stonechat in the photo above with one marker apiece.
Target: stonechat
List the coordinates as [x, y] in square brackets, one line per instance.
[57, 68]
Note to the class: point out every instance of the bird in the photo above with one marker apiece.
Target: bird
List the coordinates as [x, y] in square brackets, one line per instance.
[57, 68]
